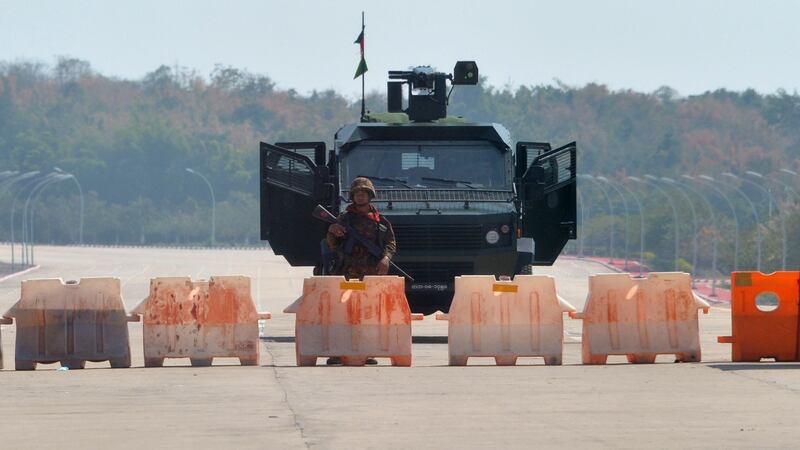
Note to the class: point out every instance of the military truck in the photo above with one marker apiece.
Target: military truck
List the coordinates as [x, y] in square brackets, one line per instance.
[462, 198]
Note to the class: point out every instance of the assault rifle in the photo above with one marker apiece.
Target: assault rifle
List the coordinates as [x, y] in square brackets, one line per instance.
[323, 214]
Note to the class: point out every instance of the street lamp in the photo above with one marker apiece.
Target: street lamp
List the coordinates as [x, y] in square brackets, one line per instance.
[772, 200]
[54, 179]
[610, 212]
[713, 236]
[641, 226]
[677, 187]
[759, 238]
[25, 238]
[24, 176]
[711, 183]
[627, 214]
[653, 181]
[213, 205]
[80, 191]
[581, 224]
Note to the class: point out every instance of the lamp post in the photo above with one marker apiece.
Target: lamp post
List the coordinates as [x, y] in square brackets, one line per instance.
[80, 191]
[610, 212]
[213, 205]
[55, 179]
[641, 227]
[25, 238]
[583, 221]
[759, 238]
[627, 213]
[5, 175]
[713, 236]
[653, 181]
[677, 187]
[710, 182]
[793, 174]
[772, 200]
[24, 176]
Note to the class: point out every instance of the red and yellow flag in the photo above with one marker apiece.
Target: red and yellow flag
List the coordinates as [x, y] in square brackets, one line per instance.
[362, 66]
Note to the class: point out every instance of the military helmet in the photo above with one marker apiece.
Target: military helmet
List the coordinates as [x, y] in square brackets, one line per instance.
[362, 183]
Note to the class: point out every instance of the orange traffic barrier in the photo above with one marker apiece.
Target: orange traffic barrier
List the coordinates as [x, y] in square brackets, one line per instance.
[200, 320]
[641, 318]
[3, 321]
[764, 316]
[505, 319]
[71, 323]
[354, 320]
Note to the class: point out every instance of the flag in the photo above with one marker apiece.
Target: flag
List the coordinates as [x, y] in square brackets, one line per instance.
[362, 65]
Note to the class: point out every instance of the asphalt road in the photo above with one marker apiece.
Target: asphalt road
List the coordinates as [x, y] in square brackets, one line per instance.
[430, 405]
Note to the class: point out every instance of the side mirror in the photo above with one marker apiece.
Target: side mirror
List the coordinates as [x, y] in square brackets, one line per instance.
[535, 175]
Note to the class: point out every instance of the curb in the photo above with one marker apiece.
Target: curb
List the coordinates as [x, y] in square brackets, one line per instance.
[714, 301]
[172, 247]
[28, 270]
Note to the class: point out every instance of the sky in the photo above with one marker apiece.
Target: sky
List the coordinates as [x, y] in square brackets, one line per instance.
[690, 46]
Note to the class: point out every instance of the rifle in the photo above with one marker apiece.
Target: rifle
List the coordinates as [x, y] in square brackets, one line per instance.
[323, 214]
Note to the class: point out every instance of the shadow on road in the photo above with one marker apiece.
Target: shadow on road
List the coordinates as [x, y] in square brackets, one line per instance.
[726, 367]
[414, 339]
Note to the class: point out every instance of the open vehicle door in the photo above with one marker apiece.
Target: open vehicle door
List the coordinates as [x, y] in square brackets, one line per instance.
[547, 192]
[292, 185]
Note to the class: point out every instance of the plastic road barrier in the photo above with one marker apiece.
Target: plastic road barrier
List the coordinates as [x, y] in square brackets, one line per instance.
[641, 318]
[200, 320]
[3, 321]
[354, 320]
[71, 323]
[764, 316]
[505, 319]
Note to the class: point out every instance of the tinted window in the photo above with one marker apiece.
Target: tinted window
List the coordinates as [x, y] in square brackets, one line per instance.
[480, 165]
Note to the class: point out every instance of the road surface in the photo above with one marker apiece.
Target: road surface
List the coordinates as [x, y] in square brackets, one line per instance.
[430, 405]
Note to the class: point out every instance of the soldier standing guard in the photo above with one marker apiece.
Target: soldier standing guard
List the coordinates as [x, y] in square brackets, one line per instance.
[354, 260]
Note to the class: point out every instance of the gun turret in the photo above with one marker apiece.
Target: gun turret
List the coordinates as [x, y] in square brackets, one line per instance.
[427, 96]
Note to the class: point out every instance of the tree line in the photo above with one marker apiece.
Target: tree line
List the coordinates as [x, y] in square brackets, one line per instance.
[129, 143]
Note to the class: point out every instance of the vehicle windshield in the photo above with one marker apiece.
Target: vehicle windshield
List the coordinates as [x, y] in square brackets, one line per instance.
[429, 165]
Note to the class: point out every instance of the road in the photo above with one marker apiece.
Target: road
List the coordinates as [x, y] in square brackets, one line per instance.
[430, 405]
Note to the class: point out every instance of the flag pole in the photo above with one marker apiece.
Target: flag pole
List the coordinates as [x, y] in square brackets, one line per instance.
[363, 106]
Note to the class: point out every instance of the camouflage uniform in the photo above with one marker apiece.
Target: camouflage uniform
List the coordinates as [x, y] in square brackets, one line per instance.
[358, 261]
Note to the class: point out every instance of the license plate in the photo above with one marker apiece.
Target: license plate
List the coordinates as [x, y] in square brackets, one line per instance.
[439, 287]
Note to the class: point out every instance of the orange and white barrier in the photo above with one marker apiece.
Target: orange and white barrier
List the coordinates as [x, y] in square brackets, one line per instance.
[200, 320]
[506, 319]
[641, 318]
[764, 316]
[353, 320]
[3, 321]
[70, 323]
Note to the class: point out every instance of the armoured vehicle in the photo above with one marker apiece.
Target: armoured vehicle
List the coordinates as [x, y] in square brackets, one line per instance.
[462, 198]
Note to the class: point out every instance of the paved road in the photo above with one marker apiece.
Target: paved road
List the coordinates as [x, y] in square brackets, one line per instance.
[430, 405]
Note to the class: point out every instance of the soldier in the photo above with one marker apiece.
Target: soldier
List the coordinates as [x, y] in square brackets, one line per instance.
[354, 260]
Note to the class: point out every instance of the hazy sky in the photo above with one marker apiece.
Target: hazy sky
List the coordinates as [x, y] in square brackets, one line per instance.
[692, 46]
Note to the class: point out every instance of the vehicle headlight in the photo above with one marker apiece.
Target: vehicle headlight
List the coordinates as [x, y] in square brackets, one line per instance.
[492, 237]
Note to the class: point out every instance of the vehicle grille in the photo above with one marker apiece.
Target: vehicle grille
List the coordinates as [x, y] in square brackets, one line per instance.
[437, 271]
[438, 237]
[441, 195]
